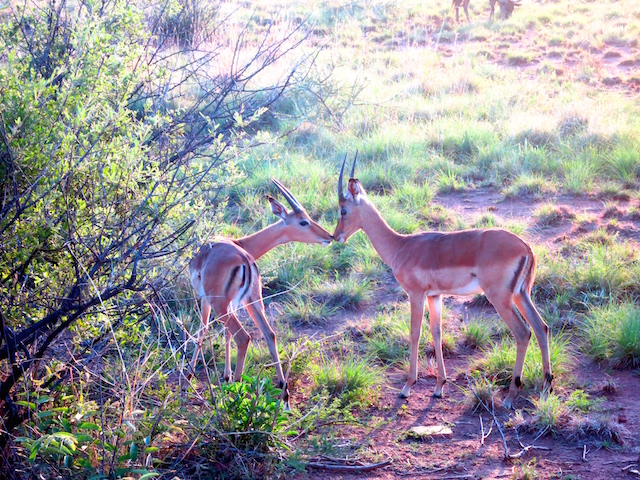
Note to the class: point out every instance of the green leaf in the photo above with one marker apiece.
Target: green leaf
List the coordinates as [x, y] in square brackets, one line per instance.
[149, 475]
[133, 452]
[88, 426]
[151, 449]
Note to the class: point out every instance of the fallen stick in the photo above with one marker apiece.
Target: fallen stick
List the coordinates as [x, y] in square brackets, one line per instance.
[484, 437]
[530, 446]
[492, 413]
[348, 468]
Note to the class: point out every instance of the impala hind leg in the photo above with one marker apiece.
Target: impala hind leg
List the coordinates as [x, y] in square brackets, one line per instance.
[255, 307]
[540, 328]
[417, 313]
[435, 324]
[507, 311]
[205, 312]
[234, 329]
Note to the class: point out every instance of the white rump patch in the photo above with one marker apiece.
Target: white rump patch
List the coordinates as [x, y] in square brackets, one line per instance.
[520, 284]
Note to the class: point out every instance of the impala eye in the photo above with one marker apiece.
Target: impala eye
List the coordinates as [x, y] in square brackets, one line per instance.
[304, 223]
[343, 212]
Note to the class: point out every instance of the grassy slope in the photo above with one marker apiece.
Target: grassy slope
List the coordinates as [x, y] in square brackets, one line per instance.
[534, 107]
[520, 106]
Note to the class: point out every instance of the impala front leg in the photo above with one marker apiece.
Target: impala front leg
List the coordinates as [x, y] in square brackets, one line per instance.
[417, 313]
[435, 323]
[227, 354]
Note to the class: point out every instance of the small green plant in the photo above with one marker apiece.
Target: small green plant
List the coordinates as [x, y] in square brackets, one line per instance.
[525, 471]
[549, 215]
[477, 333]
[349, 379]
[579, 400]
[623, 163]
[481, 391]
[252, 412]
[448, 181]
[528, 184]
[550, 413]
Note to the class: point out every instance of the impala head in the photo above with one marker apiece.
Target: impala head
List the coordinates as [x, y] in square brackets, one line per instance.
[349, 202]
[507, 7]
[298, 225]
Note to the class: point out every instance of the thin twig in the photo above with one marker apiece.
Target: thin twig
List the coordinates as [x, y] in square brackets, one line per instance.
[530, 446]
[484, 436]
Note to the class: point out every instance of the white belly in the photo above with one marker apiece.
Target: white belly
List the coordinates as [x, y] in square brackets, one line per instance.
[470, 288]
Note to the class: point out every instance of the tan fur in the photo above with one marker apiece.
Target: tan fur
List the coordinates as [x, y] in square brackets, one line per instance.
[432, 264]
[225, 275]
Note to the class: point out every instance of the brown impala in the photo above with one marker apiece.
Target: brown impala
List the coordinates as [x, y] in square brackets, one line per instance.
[433, 264]
[225, 275]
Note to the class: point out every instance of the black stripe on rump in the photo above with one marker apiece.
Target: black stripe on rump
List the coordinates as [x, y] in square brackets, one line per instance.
[521, 264]
[234, 272]
[246, 280]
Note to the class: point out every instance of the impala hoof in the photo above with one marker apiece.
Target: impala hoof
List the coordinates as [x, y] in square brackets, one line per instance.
[436, 395]
[402, 395]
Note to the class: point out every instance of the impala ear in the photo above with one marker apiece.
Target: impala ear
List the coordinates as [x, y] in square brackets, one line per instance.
[277, 208]
[355, 189]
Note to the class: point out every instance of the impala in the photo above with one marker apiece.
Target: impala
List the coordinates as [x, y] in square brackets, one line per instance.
[225, 275]
[433, 264]
[506, 8]
[465, 5]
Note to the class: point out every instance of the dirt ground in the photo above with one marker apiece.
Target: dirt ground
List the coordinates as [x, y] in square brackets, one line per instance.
[463, 456]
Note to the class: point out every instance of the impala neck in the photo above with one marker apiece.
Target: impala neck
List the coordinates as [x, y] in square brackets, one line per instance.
[261, 242]
[386, 241]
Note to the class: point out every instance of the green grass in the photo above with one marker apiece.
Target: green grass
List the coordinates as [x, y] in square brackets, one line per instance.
[499, 358]
[387, 339]
[305, 309]
[548, 215]
[481, 391]
[477, 333]
[591, 272]
[550, 413]
[612, 333]
[351, 379]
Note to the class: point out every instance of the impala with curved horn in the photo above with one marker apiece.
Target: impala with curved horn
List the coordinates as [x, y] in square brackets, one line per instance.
[433, 264]
[225, 275]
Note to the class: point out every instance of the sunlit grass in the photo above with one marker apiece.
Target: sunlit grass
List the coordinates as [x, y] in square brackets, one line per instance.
[612, 333]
